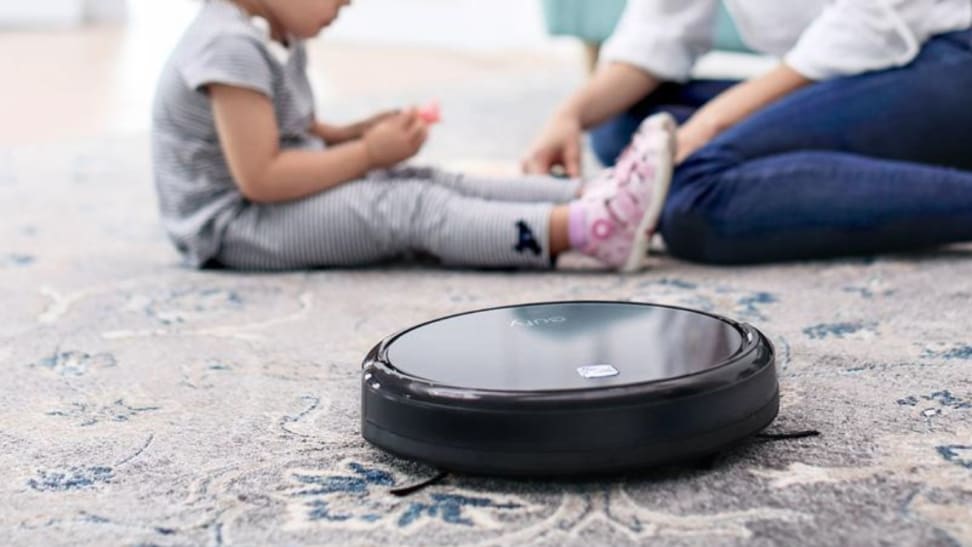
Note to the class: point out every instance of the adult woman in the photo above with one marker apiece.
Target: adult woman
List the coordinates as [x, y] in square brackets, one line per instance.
[858, 141]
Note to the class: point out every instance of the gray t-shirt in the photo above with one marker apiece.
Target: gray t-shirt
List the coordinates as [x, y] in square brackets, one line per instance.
[197, 195]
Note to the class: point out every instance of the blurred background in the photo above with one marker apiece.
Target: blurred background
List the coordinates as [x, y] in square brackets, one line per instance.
[88, 67]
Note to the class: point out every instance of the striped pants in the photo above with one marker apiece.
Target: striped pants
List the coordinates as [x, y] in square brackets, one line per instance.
[463, 221]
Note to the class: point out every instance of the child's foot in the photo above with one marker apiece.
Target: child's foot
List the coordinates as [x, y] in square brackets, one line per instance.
[615, 224]
[655, 132]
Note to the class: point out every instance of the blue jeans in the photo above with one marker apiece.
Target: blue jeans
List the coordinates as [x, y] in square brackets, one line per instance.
[878, 162]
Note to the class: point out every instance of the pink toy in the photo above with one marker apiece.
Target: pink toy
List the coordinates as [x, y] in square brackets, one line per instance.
[431, 113]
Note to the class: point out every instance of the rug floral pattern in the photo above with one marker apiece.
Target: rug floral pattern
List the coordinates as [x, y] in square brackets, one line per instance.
[146, 404]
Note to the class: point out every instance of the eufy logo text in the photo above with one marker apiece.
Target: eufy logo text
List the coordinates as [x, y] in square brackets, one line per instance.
[539, 322]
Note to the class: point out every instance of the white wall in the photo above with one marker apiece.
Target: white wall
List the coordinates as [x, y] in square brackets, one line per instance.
[58, 13]
[465, 24]
[37, 14]
[101, 11]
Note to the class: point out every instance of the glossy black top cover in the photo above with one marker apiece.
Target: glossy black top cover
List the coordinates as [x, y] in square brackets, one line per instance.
[562, 346]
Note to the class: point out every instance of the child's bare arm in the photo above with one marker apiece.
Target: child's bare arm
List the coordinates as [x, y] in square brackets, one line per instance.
[250, 139]
[338, 134]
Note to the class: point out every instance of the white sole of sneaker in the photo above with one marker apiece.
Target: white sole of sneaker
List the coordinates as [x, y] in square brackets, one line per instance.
[663, 172]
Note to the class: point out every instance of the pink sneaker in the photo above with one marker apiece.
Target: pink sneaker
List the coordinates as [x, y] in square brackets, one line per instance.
[620, 217]
[653, 133]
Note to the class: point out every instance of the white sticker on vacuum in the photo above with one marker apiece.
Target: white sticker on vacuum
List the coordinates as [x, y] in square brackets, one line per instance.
[597, 371]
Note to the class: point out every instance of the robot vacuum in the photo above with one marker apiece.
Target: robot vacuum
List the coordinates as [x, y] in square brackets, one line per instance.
[566, 388]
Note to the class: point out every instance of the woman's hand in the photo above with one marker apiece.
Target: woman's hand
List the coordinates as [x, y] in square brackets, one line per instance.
[559, 145]
[691, 136]
[614, 88]
[395, 139]
[735, 105]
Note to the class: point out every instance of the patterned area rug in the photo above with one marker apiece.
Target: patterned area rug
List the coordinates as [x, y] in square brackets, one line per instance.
[146, 404]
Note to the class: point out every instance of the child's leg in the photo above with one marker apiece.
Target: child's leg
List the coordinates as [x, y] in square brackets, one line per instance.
[387, 215]
[370, 221]
[524, 188]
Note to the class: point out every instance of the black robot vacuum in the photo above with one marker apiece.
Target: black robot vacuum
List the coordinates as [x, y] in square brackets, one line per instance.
[566, 388]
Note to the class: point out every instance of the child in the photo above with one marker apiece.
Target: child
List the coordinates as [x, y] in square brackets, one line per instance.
[248, 178]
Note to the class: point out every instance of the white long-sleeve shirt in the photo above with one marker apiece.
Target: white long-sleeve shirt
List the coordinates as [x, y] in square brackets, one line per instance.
[820, 39]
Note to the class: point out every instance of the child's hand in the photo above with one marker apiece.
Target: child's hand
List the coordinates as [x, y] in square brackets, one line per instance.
[370, 123]
[395, 139]
[339, 134]
[431, 113]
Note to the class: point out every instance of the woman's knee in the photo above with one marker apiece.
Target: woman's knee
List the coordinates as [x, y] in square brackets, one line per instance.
[690, 233]
[694, 222]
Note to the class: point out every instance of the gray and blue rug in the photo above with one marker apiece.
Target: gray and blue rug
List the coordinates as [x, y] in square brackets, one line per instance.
[145, 404]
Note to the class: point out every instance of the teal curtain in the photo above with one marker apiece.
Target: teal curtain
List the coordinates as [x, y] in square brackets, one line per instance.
[589, 20]
[726, 36]
[594, 21]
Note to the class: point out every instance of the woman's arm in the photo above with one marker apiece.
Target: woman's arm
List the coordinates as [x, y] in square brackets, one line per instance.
[250, 139]
[655, 41]
[849, 37]
[613, 89]
[734, 105]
